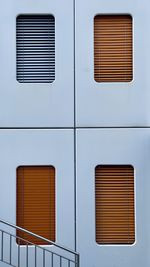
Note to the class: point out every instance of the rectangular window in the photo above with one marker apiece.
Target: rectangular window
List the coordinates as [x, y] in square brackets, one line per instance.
[114, 189]
[36, 202]
[113, 48]
[35, 49]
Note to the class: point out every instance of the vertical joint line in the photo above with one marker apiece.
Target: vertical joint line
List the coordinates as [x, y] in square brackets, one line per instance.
[74, 38]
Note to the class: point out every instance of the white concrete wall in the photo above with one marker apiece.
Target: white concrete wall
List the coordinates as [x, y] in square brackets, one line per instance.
[116, 146]
[37, 105]
[112, 104]
[39, 147]
[97, 105]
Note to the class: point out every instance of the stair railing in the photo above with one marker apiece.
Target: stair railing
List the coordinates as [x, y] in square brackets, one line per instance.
[29, 254]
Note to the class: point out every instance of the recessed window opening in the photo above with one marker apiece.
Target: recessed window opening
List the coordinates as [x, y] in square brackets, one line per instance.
[114, 203]
[113, 48]
[35, 48]
[36, 202]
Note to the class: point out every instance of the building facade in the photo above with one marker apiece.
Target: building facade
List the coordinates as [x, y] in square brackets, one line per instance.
[75, 128]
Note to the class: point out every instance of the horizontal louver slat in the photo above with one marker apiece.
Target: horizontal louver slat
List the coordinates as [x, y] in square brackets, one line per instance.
[35, 51]
[113, 48]
[36, 202]
[114, 203]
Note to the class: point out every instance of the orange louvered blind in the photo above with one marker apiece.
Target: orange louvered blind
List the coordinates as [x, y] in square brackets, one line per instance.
[36, 202]
[114, 189]
[113, 48]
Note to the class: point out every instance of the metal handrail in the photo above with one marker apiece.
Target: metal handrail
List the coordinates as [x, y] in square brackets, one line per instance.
[39, 237]
[27, 242]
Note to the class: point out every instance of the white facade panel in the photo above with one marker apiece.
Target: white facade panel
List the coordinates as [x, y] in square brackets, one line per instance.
[38, 147]
[112, 104]
[37, 104]
[108, 147]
